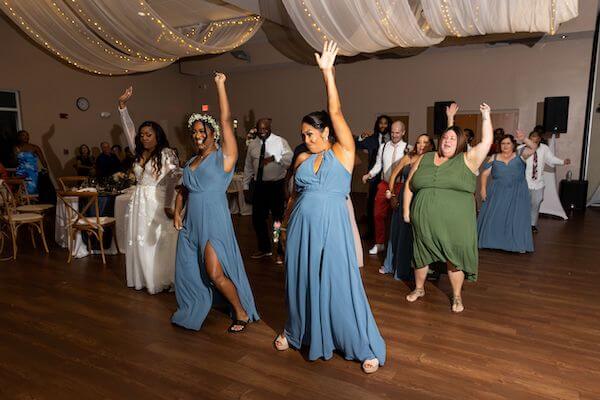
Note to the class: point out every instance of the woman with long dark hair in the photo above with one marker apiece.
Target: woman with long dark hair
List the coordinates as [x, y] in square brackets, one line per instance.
[442, 211]
[209, 262]
[151, 237]
[327, 305]
[399, 249]
[84, 163]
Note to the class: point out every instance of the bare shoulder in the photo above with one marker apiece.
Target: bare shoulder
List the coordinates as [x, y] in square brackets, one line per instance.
[300, 159]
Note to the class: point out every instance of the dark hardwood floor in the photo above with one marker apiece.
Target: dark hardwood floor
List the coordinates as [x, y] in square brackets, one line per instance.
[531, 330]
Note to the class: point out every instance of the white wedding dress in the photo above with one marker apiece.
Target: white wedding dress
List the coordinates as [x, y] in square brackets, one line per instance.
[151, 236]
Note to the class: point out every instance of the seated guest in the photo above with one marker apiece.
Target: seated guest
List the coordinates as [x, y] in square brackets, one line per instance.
[84, 163]
[388, 155]
[503, 222]
[107, 163]
[129, 159]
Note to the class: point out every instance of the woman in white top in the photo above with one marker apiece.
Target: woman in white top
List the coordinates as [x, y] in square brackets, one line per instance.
[151, 236]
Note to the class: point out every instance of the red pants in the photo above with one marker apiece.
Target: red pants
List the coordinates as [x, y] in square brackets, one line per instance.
[383, 212]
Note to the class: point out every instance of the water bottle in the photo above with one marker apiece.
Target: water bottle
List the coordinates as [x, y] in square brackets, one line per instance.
[276, 231]
[569, 175]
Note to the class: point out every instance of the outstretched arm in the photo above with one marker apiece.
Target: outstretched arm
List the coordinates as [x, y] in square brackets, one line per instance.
[126, 121]
[530, 146]
[474, 157]
[229, 144]
[345, 141]
[451, 111]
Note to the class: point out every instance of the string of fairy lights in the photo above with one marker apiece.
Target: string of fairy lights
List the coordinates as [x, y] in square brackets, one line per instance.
[115, 55]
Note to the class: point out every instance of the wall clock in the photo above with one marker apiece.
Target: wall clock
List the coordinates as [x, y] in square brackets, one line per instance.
[82, 103]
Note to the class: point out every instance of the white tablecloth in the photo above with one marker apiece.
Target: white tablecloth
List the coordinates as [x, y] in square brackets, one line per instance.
[80, 249]
[235, 191]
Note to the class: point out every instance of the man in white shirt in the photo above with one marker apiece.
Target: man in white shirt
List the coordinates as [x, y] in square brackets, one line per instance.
[267, 160]
[388, 155]
[534, 174]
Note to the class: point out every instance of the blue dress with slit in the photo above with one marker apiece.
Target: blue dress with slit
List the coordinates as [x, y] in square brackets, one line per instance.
[207, 220]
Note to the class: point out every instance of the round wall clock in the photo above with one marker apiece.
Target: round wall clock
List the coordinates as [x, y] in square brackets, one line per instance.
[83, 104]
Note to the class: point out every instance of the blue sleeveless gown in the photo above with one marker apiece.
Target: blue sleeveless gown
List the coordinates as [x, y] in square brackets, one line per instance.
[207, 219]
[504, 218]
[327, 305]
[398, 259]
[27, 167]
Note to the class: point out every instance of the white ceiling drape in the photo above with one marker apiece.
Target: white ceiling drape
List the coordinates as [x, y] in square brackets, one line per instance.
[360, 26]
[112, 37]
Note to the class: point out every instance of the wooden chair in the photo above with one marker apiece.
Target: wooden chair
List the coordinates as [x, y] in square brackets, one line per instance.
[23, 199]
[11, 220]
[78, 222]
[69, 182]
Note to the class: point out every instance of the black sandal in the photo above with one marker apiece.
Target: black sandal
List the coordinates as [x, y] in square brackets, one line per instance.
[238, 322]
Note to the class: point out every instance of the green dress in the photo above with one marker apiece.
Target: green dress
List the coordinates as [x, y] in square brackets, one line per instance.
[443, 214]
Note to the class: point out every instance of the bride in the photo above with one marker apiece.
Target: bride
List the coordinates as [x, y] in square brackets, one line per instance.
[151, 237]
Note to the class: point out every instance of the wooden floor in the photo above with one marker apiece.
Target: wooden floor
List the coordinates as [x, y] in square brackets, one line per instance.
[531, 330]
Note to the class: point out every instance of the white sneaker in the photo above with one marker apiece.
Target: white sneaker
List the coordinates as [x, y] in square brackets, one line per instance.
[376, 249]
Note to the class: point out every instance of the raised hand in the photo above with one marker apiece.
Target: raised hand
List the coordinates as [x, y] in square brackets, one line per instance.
[520, 136]
[567, 161]
[220, 77]
[485, 110]
[125, 96]
[451, 110]
[327, 58]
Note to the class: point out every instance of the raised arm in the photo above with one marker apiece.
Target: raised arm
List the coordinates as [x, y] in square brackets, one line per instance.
[345, 146]
[474, 157]
[229, 143]
[126, 121]
[451, 111]
[530, 145]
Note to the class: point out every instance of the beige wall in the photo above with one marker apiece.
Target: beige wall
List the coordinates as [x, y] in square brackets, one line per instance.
[48, 88]
[507, 77]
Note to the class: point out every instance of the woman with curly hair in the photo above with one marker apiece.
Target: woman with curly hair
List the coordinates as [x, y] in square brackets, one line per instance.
[151, 237]
[209, 263]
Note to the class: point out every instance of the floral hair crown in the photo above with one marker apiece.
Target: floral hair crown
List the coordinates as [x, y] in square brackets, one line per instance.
[207, 119]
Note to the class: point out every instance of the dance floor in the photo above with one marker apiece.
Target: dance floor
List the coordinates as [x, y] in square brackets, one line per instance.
[531, 330]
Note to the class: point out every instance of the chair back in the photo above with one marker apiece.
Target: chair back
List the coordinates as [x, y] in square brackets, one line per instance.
[69, 182]
[8, 206]
[18, 189]
[77, 217]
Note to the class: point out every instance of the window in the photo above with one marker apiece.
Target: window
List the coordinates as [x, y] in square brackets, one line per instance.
[10, 123]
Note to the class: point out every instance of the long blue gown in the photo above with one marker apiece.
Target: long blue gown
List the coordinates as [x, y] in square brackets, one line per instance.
[398, 259]
[327, 305]
[27, 167]
[207, 220]
[504, 219]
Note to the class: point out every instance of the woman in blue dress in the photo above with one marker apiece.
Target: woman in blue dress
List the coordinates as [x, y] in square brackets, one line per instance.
[399, 249]
[27, 161]
[503, 221]
[209, 262]
[327, 305]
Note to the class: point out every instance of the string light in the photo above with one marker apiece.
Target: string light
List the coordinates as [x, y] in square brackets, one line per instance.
[75, 17]
[314, 22]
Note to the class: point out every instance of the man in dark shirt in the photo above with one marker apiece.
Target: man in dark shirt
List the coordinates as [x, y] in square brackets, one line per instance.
[107, 163]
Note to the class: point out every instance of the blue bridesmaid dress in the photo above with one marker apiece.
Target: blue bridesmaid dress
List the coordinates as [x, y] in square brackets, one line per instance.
[327, 305]
[398, 259]
[504, 220]
[207, 220]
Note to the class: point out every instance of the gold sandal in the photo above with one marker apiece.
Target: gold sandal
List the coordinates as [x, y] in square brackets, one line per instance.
[415, 294]
[457, 305]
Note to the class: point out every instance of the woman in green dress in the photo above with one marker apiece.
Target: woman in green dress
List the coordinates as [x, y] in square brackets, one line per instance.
[439, 202]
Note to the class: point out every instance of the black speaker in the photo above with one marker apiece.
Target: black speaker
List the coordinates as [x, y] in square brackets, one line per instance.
[440, 122]
[573, 194]
[556, 114]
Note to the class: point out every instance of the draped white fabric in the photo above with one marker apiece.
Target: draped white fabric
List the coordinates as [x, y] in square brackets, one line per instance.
[360, 26]
[120, 37]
